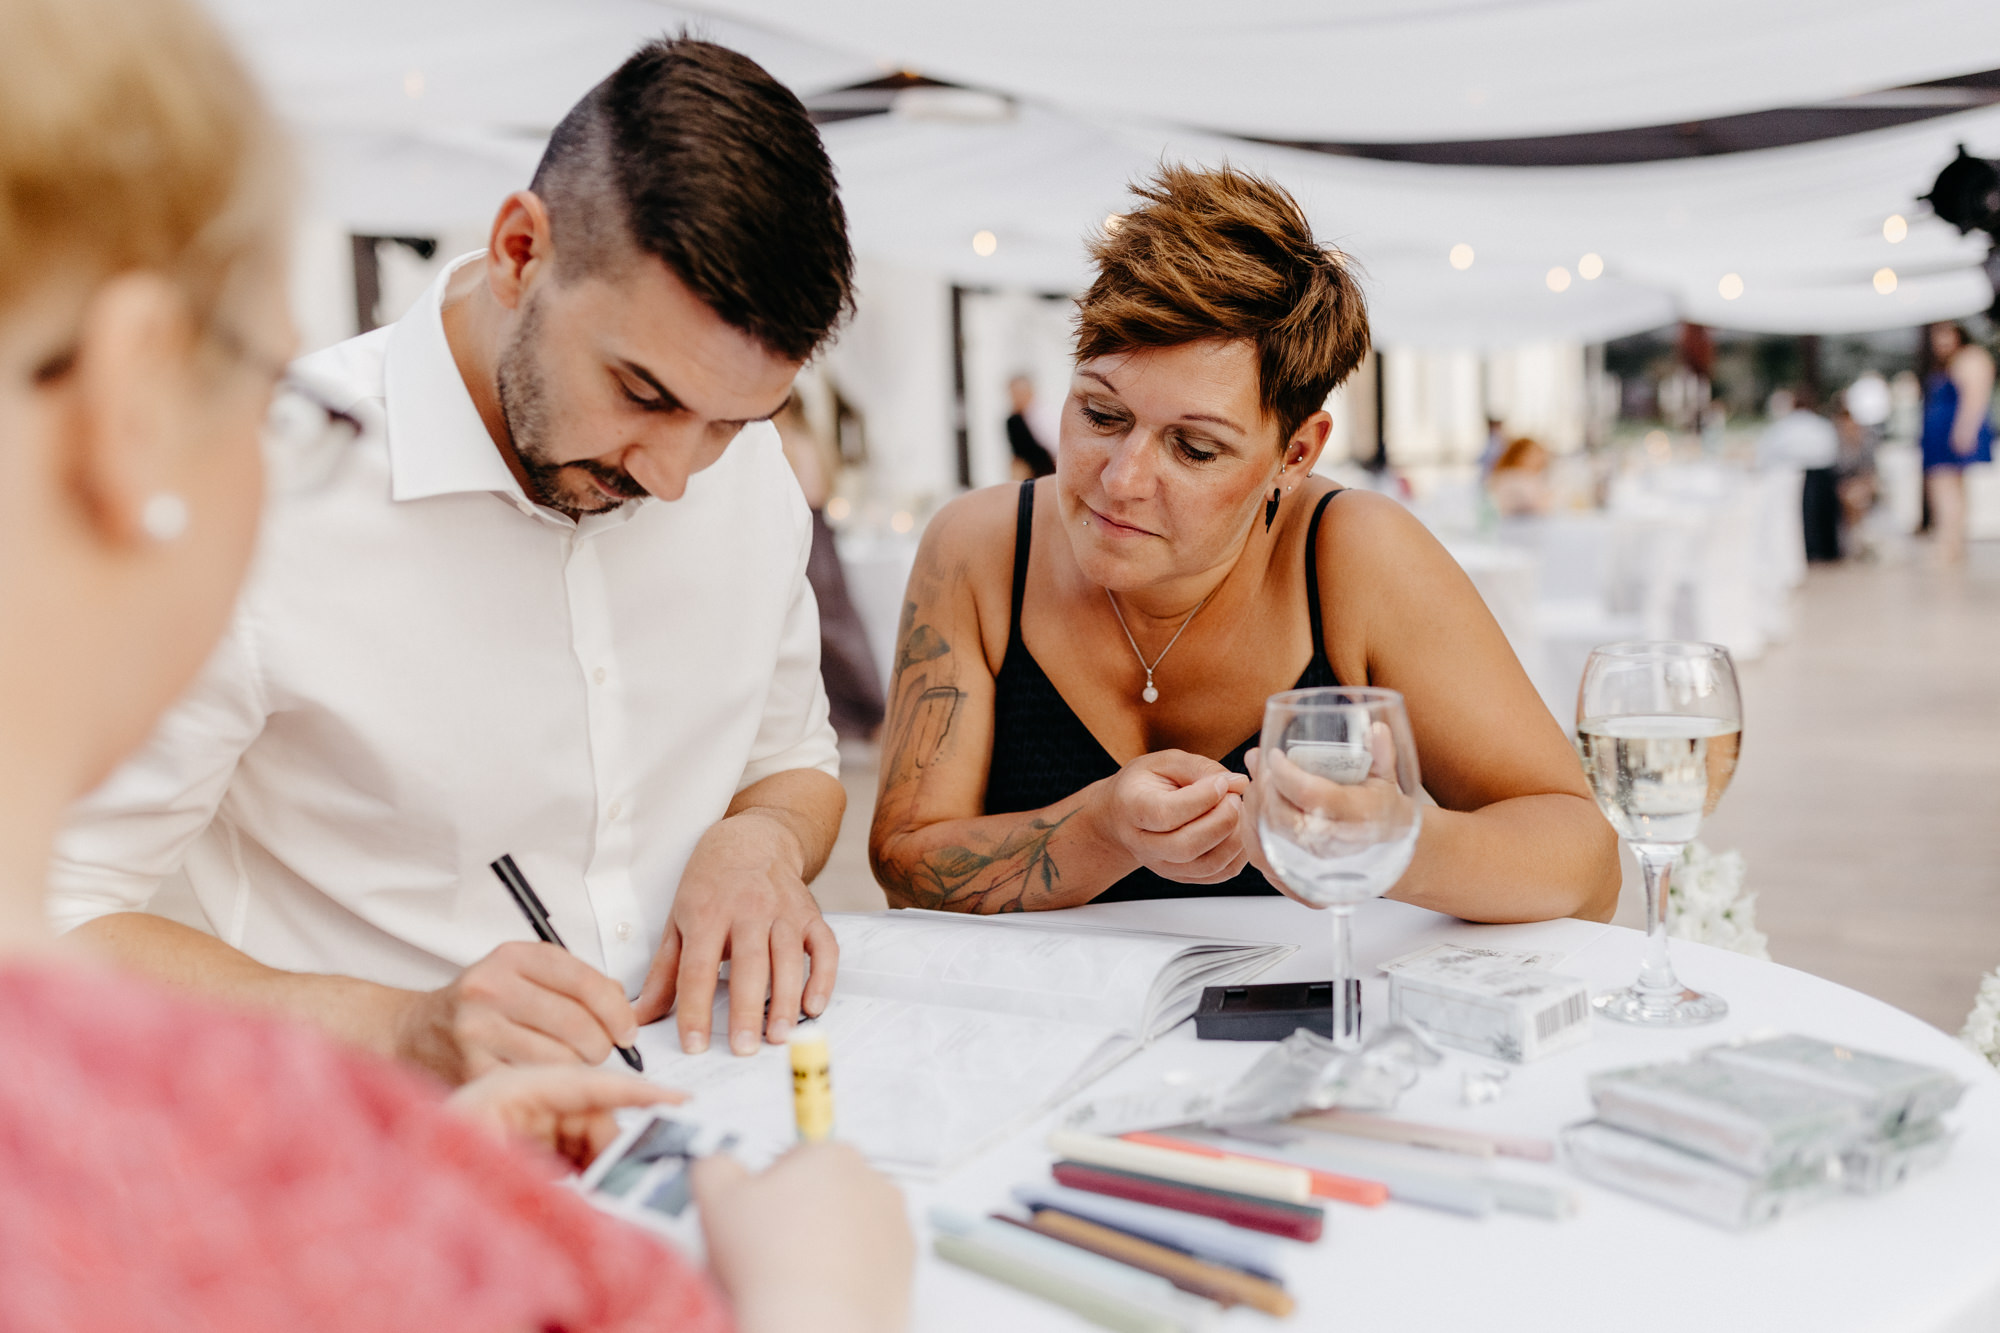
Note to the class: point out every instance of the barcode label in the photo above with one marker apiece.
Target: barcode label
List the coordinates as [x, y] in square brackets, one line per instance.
[1573, 1010]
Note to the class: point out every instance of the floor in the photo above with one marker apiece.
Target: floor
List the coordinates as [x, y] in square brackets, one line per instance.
[1867, 804]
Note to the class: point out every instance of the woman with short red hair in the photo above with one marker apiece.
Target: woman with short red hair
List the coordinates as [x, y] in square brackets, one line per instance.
[1082, 658]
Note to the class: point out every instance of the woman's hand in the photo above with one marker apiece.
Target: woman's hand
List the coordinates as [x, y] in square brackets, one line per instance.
[565, 1108]
[819, 1241]
[1318, 807]
[1177, 814]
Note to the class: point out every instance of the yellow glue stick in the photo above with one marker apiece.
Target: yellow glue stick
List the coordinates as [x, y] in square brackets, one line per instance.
[812, 1084]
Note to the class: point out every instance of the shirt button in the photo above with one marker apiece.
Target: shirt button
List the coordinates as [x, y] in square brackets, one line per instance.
[625, 931]
[612, 813]
[598, 675]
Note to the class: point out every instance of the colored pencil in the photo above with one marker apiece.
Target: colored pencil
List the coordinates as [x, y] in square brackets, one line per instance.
[1325, 1184]
[1241, 1210]
[1284, 1183]
[1469, 1142]
[1225, 1286]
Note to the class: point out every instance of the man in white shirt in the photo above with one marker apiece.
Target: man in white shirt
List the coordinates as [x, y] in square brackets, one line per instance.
[553, 604]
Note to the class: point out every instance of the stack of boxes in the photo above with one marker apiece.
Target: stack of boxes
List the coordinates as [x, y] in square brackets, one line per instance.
[1744, 1133]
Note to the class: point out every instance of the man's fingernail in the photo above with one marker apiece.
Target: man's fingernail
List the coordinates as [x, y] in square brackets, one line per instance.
[814, 1004]
[781, 1028]
[694, 1043]
[743, 1043]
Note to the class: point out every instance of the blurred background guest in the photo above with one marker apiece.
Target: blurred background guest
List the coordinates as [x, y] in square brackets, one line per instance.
[1958, 430]
[1031, 457]
[1799, 437]
[1856, 481]
[1519, 482]
[853, 684]
[167, 1162]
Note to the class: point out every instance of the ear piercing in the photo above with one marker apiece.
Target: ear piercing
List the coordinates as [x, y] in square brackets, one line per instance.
[164, 517]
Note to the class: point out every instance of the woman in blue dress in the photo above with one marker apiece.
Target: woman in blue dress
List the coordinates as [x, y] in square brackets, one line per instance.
[1958, 429]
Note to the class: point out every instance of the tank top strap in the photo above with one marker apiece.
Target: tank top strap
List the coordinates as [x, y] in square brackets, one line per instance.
[1024, 533]
[1312, 573]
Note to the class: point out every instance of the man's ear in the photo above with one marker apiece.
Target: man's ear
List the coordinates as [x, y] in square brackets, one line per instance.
[521, 245]
[131, 402]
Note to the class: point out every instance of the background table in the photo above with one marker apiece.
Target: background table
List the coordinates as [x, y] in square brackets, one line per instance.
[1923, 1257]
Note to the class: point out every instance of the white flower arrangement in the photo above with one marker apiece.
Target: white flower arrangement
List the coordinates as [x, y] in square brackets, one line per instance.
[1982, 1025]
[1706, 902]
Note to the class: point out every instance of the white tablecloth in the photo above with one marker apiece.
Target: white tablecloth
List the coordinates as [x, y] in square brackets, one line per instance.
[1925, 1257]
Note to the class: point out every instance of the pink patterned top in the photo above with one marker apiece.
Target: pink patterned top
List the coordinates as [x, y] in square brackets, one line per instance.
[171, 1166]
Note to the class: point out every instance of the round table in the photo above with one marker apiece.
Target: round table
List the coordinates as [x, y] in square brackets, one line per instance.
[1923, 1257]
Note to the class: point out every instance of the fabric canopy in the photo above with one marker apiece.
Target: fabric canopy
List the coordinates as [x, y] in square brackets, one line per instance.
[419, 117]
[1409, 70]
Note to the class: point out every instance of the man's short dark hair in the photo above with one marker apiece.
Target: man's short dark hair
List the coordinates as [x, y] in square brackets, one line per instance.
[691, 153]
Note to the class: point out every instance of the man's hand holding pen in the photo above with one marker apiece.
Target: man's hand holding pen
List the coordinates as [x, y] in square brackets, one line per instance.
[524, 1003]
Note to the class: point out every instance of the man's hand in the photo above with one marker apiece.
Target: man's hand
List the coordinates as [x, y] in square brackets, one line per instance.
[565, 1109]
[521, 1004]
[743, 897]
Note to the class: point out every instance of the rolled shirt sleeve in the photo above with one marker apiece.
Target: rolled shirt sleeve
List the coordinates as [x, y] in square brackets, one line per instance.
[794, 730]
[120, 842]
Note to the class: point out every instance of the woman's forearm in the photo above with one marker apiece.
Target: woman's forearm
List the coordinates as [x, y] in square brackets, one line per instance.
[1531, 858]
[1024, 862]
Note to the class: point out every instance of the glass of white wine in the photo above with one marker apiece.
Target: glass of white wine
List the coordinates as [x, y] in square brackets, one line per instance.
[1338, 812]
[1659, 726]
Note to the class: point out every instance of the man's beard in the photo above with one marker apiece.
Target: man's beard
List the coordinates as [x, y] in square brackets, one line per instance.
[524, 407]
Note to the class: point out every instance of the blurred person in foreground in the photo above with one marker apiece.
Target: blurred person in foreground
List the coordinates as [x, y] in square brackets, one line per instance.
[556, 607]
[1799, 437]
[1957, 431]
[1031, 759]
[1519, 480]
[167, 1163]
[1031, 457]
[846, 664]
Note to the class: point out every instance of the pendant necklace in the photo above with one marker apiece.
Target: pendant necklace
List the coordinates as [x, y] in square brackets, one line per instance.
[1149, 694]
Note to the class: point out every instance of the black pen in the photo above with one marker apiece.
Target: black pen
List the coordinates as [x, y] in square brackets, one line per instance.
[538, 917]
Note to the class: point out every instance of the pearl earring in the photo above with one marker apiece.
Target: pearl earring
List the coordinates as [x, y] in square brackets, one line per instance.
[165, 517]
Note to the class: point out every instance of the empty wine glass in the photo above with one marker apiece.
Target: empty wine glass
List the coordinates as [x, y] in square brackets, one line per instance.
[1659, 726]
[1337, 812]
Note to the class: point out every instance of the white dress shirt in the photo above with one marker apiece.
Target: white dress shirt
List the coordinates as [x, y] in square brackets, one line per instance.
[427, 670]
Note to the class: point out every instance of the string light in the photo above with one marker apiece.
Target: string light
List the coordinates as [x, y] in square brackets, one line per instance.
[1461, 256]
[984, 243]
[413, 84]
[1589, 267]
[1885, 280]
[1731, 286]
[1894, 228]
[902, 521]
[1558, 279]
[1113, 221]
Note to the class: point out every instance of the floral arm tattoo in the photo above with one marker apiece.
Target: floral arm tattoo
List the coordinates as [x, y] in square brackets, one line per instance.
[1004, 871]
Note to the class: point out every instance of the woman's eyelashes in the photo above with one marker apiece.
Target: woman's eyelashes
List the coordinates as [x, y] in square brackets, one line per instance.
[1194, 450]
[1101, 420]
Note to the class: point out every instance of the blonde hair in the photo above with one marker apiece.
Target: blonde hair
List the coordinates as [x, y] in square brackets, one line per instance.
[132, 139]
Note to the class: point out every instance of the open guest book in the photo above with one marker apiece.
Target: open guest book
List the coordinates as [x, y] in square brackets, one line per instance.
[947, 1031]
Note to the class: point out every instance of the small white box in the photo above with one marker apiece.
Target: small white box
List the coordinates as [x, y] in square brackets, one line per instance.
[1490, 1006]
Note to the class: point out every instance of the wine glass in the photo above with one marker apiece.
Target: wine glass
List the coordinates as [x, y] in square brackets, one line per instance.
[1337, 812]
[1659, 726]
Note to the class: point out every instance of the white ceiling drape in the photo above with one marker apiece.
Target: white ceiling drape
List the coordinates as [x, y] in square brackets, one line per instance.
[418, 116]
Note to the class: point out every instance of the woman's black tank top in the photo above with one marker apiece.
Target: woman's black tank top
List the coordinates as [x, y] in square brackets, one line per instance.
[1042, 752]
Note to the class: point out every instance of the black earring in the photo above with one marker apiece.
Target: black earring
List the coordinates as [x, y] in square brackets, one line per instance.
[1271, 508]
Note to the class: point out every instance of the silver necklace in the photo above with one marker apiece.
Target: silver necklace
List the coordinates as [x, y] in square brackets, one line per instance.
[1149, 694]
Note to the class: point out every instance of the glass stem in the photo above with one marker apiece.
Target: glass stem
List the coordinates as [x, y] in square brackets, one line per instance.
[1346, 986]
[1658, 987]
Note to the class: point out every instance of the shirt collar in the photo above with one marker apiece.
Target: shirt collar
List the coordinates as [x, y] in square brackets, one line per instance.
[438, 445]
